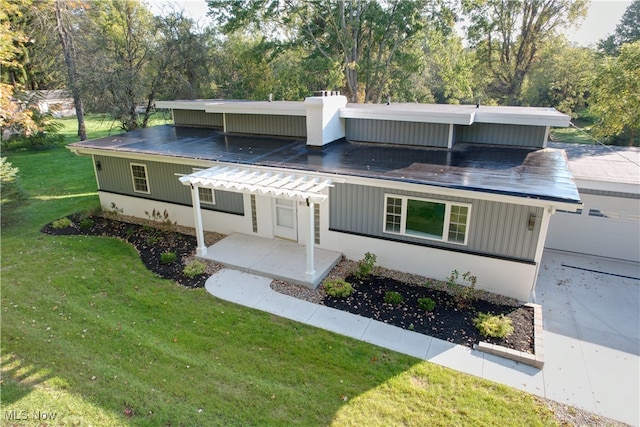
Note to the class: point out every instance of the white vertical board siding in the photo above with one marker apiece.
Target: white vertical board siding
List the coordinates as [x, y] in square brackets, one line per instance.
[495, 228]
[394, 132]
[266, 124]
[499, 134]
[197, 118]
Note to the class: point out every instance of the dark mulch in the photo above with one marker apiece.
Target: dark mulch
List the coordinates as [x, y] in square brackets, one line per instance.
[150, 242]
[448, 320]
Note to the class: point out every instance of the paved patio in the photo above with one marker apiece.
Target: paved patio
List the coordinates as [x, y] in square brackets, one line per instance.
[278, 259]
[591, 319]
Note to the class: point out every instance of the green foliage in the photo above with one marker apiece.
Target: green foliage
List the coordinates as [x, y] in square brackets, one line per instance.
[491, 325]
[426, 304]
[338, 288]
[615, 99]
[10, 188]
[365, 265]
[507, 36]
[194, 268]
[464, 292]
[393, 298]
[62, 223]
[627, 31]
[561, 78]
[168, 257]
[86, 223]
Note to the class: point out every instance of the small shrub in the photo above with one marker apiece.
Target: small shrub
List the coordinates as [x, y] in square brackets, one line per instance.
[168, 257]
[161, 218]
[338, 288]
[194, 268]
[86, 223]
[463, 293]
[151, 240]
[365, 266]
[394, 298]
[426, 304]
[61, 223]
[491, 325]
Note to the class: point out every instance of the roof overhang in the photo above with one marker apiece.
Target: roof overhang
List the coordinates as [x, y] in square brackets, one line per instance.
[250, 180]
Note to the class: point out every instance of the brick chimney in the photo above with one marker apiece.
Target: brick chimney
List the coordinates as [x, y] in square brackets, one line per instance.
[324, 124]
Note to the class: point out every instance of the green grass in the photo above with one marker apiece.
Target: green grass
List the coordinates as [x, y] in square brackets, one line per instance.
[578, 133]
[99, 125]
[91, 335]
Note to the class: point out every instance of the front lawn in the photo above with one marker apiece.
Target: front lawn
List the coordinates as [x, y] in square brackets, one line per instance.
[91, 336]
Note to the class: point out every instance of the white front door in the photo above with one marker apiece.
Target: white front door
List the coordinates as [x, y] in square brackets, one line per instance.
[285, 219]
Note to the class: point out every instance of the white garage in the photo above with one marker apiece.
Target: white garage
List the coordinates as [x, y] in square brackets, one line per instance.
[608, 225]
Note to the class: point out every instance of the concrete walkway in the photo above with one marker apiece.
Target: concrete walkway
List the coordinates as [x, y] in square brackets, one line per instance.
[591, 319]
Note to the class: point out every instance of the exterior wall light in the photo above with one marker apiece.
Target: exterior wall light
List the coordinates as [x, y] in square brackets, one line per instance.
[532, 222]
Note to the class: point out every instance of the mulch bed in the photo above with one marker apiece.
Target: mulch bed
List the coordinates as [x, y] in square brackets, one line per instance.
[150, 242]
[448, 321]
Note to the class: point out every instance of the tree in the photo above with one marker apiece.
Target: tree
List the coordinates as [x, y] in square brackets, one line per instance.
[19, 113]
[122, 42]
[508, 35]
[63, 10]
[561, 77]
[627, 31]
[368, 40]
[615, 98]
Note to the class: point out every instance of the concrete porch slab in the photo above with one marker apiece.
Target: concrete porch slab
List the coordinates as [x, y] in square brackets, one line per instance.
[277, 259]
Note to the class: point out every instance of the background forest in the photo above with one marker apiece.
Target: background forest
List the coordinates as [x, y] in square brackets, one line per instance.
[115, 57]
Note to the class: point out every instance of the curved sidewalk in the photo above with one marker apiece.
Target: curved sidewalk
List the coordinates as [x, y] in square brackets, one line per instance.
[580, 372]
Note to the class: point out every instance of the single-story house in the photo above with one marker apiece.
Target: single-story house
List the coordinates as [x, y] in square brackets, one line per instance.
[427, 188]
[608, 224]
[58, 102]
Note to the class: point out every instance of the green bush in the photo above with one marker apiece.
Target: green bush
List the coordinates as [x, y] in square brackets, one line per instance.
[491, 325]
[338, 288]
[86, 223]
[365, 266]
[427, 304]
[61, 223]
[391, 297]
[194, 268]
[168, 257]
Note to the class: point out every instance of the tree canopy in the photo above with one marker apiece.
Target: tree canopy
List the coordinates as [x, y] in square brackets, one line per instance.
[117, 58]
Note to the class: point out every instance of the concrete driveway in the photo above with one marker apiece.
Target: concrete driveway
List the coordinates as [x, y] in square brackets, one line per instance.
[591, 314]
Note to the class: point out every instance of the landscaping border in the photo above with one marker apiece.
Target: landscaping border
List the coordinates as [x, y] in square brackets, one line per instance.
[536, 359]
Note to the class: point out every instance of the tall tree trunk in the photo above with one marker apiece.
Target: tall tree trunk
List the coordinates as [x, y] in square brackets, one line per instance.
[70, 60]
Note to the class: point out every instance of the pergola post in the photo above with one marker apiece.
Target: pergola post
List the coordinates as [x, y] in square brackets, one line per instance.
[201, 249]
[311, 271]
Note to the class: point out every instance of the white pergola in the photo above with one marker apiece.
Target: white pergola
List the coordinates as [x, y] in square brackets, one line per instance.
[294, 186]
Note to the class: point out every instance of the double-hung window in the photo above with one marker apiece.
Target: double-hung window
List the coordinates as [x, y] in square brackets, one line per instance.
[207, 196]
[140, 178]
[427, 219]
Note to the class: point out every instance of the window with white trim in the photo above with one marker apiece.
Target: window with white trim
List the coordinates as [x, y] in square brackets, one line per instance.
[140, 178]
[207, 196]
[427, 219]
